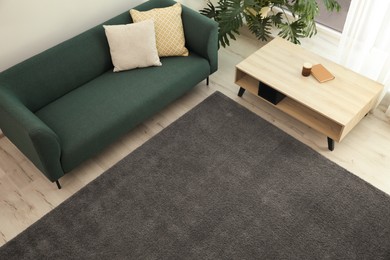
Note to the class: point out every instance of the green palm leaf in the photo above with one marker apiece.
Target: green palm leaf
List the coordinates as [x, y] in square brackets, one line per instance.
[231, 15]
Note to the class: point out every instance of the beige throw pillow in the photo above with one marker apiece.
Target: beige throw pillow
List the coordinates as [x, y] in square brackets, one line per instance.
[132, 45]
[169, 29]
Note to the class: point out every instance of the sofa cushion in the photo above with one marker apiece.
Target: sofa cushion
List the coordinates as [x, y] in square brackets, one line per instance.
[169, 29]
[132, 45]
[94, 115]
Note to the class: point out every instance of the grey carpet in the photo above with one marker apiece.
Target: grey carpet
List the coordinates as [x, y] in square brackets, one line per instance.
[219, 183]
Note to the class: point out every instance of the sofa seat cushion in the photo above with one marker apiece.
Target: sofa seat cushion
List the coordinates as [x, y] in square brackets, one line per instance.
[94, 115]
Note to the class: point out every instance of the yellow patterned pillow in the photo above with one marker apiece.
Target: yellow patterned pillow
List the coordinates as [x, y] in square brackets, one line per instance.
[168, 27]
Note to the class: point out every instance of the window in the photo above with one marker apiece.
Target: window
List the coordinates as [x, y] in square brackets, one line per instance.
[333, 20]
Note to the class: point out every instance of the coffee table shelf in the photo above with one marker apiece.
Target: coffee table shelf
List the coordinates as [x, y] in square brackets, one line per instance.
[332, 108]
[295, 109]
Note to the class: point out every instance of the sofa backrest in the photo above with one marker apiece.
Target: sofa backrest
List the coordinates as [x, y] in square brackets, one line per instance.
[51, 74]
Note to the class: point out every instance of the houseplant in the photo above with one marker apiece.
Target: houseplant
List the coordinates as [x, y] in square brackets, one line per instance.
[293, 18]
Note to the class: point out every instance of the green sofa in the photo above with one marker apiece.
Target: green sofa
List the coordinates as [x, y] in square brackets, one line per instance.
[66, 104]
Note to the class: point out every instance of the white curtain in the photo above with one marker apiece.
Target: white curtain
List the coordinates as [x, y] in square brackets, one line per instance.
[365, 41]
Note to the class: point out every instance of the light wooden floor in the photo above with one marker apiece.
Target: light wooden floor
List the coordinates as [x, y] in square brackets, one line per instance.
[25, 195]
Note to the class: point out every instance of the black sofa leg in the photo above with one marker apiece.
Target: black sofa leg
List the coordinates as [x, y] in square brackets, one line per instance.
[207, 81]
[58, 184]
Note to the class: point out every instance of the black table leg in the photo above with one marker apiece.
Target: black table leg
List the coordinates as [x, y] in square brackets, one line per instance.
[330, 144]
[241, 92]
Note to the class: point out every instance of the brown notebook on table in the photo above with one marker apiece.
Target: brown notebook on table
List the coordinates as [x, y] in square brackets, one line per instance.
[321, 73]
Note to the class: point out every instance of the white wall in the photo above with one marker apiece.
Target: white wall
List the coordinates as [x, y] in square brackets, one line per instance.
[28, 27]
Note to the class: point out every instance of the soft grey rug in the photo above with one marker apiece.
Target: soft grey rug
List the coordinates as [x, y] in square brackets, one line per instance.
[219, 183]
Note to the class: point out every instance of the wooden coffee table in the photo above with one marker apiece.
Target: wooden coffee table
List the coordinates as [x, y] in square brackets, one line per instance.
[333, 108]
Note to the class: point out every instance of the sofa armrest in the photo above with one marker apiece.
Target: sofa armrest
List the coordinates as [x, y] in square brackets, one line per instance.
[32, 136]
[201, 35]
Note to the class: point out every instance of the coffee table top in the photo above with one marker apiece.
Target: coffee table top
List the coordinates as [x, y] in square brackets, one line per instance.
[279, 64]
